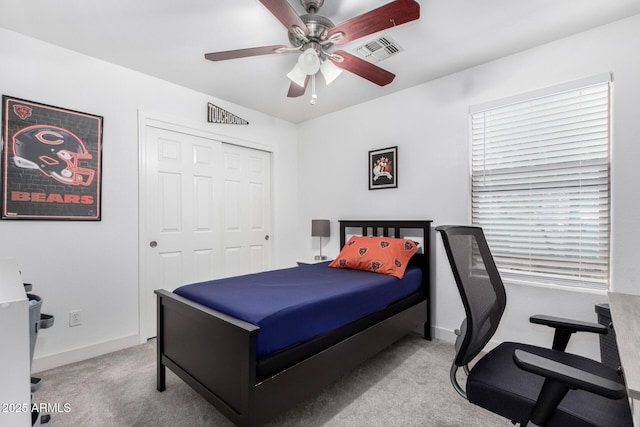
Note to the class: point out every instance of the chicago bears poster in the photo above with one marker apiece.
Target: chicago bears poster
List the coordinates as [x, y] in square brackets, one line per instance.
[51, 162]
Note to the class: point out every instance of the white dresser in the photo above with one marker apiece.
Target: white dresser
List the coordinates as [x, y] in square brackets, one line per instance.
[15, 393]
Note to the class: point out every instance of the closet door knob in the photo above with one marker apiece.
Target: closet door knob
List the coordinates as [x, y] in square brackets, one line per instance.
[266, 237]
[153, 243]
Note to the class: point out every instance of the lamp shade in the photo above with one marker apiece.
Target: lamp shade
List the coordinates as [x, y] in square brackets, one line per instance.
[297, 76]
[309, 62]
[320, 228]
[329, 71]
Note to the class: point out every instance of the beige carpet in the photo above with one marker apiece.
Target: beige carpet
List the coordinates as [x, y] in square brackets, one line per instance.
[405, 385]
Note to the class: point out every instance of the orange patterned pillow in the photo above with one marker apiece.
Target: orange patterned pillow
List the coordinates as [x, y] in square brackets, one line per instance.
[382, 255]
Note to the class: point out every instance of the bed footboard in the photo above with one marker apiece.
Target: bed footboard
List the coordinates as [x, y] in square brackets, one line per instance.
[212, 352]
[306, 379]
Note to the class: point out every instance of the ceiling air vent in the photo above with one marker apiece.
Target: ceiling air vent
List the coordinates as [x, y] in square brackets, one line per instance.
[379, 49]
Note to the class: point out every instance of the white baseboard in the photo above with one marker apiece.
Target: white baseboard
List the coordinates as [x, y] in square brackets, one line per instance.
[51, 361]
[445, 335]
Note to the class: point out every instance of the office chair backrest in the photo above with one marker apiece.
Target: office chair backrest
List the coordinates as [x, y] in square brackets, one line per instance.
[480, 287]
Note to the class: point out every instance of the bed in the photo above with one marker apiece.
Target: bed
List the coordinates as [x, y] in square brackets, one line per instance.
[225, 360]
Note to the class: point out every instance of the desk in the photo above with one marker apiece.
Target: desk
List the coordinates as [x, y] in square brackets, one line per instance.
[625, 315]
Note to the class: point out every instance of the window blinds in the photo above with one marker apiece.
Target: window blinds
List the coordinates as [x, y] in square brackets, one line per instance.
[540, 186]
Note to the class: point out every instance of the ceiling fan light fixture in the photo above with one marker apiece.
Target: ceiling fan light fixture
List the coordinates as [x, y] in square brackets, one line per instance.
[329, 71]
[309, 62]
[297, 76]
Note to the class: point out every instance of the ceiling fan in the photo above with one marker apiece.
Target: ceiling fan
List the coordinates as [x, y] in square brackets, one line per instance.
[314, 35]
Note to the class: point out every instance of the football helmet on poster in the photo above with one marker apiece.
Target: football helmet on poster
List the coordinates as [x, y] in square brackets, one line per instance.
[55, 152]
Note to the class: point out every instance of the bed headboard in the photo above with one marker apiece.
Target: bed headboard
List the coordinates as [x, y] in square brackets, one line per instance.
[419, 230]
[388, 228]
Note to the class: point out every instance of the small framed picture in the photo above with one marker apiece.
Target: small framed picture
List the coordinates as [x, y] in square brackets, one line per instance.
[383, 168]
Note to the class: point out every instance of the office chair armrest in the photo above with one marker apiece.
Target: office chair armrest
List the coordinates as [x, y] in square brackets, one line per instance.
[572, 377]
[565, 327]
[574, 325]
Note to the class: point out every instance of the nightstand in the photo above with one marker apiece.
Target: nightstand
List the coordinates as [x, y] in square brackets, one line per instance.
[311, 261]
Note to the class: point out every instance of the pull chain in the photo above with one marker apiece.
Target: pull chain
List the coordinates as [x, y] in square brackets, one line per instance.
[314, 97]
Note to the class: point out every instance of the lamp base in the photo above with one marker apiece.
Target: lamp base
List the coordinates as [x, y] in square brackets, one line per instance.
[320, 257]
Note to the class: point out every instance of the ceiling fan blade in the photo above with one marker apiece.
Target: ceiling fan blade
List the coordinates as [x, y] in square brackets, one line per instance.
[364, 69]
[296, 90]
[388, 16]
[243, 53]
[286, 14]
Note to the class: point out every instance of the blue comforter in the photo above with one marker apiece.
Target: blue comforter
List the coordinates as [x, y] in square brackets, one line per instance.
[295, 304]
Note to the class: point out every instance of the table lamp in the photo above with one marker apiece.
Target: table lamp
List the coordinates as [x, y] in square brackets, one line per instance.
[320, 228]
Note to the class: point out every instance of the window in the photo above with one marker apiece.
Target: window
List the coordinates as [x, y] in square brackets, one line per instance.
[540, 184]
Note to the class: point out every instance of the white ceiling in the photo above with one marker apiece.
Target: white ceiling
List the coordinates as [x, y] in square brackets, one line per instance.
[168, 39]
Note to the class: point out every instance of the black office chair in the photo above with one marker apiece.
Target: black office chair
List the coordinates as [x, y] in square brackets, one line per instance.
[531, 386]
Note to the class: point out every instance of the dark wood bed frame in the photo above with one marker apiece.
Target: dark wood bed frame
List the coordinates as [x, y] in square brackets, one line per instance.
[216, 354]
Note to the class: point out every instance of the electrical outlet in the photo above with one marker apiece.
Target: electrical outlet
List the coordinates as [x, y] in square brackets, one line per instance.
[74, 318]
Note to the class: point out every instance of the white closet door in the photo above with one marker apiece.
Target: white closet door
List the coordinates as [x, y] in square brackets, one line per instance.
[247, 207]
[204, 213]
